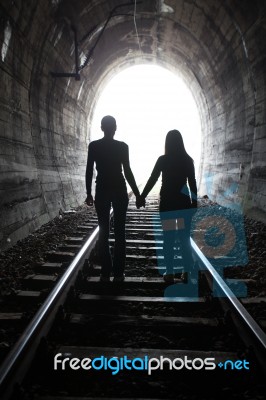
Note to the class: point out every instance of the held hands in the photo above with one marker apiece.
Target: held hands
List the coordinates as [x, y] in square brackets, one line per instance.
[140, 201]
[89, 200]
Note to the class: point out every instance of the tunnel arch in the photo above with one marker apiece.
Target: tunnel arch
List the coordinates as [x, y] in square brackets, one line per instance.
[217, 46]
[147, 101]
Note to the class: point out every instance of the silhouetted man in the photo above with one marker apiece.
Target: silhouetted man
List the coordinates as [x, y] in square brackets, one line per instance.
[110, 155]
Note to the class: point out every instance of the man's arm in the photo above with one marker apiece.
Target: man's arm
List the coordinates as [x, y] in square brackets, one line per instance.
[89, 174]
[128, 173]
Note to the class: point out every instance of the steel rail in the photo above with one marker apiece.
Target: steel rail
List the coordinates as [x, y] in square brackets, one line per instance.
[41, 322]
[44, 316]
[13, 366]
[252, 333]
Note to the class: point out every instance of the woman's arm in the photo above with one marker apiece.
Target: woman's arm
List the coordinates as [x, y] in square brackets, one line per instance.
[192, 184]
[152, 179]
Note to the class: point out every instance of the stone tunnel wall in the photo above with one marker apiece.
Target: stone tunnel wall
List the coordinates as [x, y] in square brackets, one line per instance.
[233, 163]
[218, 47]
[42, 122]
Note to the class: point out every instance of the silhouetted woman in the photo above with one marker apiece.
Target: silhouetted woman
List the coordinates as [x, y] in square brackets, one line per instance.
[176, 201]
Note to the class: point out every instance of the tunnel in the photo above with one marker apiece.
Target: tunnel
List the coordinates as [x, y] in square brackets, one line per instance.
[58, 55]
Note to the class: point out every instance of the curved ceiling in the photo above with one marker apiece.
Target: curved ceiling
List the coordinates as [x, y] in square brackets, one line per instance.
[215, 45]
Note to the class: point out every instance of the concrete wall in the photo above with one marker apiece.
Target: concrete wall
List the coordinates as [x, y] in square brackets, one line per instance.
[42, 121]
[234, 160]
[217, 46]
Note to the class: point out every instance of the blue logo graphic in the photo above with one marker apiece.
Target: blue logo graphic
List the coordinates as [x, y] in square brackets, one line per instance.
[218, 232]
[234, 365]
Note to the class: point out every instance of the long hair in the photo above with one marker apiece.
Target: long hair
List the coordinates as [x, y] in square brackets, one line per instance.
[174, 145]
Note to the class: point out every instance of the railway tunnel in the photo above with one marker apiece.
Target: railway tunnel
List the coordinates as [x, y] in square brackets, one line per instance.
[58, 55]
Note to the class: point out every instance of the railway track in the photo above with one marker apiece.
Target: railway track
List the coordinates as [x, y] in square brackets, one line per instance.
[185, 345]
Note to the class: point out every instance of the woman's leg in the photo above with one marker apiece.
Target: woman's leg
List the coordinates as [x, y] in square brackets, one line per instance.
[184, 225]
[169, 232]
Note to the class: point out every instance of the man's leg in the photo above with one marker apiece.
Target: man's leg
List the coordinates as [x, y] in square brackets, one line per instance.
[103, 206]
[120, 204]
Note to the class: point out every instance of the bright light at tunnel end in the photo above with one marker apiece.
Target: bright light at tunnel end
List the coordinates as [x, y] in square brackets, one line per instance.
[148, 101]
